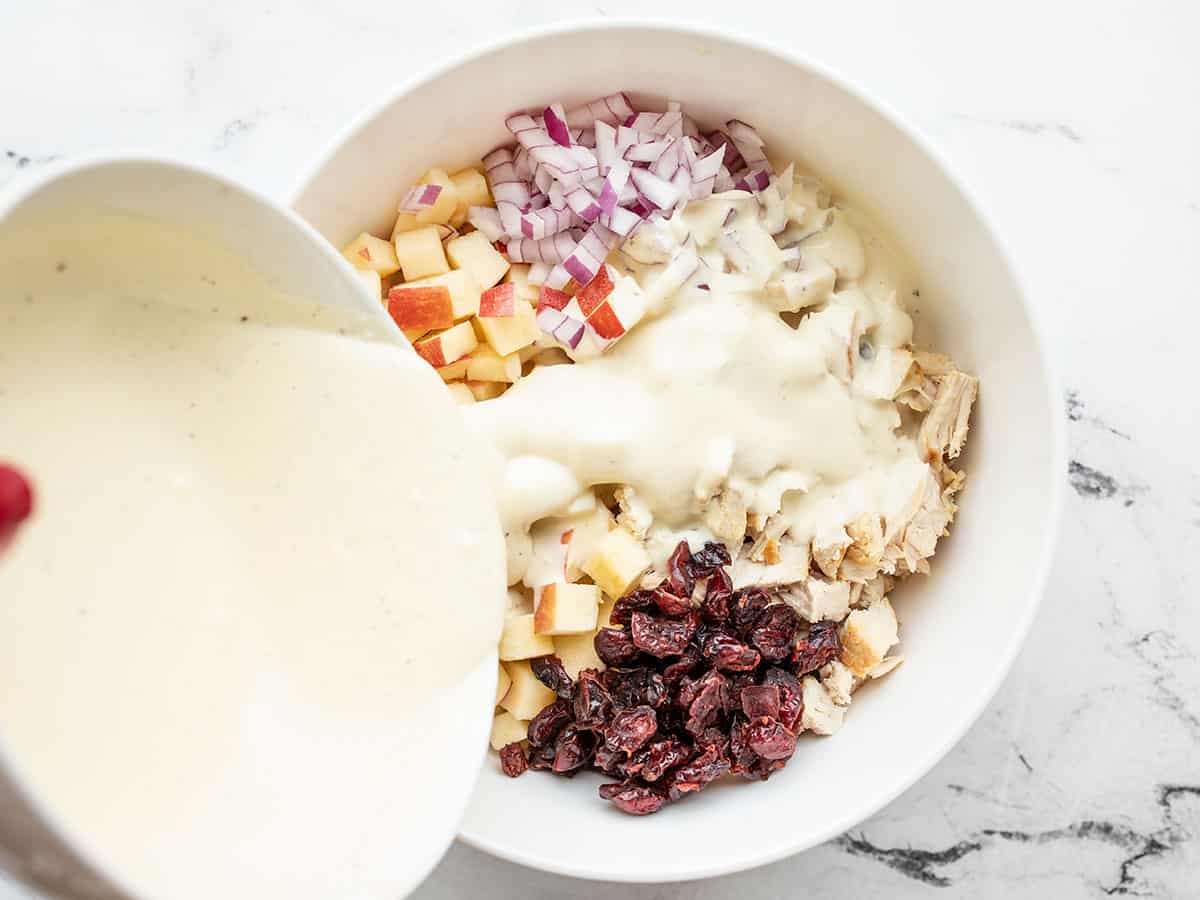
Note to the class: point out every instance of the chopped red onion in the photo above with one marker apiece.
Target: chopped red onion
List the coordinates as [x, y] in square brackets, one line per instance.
[510, 217]
[584, 204]
[752, 179]
[538, 273]
[610, 110]
[506, 184]
[550, 250]
[647, 151]
[621, 221]
[548, 157]
[723, 182]
[661, 193]
[539, 223]
[737, 255]
[670, 123]
[748, 144]
[585, 260]
[606, 146]
[565, 329]
[672, 276]
[558, 199]
[614, 184]
[445, 232]
[487, 220]
[707, 166]
[669, 160]
[720, 140]
[419, 197]
[586, 138]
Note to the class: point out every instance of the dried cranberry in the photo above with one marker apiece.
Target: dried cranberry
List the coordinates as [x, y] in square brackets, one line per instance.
[659, 758]
[706, 706]
[615, 647]
[627, 605]
[774, 631]
[822, 645]
[761, 701]
[745, 608]
[633, 799]
[685, 665]
[717, 593]
[791, 697]
[661, 637]
[546, 725]
[679, 571]
[731, 697]
[711, 557]
[513, 761]
[572, 749]
[729, 654]
[694, 776]
[770, 740]
[635, 687]
[670, 605]
[630, 729]
[592, 704]
[541, 757]
[610, 761]
[743, 758]
[715, 738]
[550, 672]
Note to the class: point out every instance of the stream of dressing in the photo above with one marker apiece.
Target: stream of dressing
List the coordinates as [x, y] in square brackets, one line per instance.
[230, 631]
[716, 389]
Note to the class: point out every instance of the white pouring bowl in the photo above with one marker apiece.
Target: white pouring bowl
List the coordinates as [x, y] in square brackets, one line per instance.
[962, 626]
[41, 846]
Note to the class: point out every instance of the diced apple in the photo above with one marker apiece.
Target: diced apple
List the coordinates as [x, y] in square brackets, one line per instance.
[526, 696]
[589, 531]
[485, 364]
[577, 652]
[595, 292]
[420, 253]
[445, 205]
[406, 221]
[464, 292]
[618, 562]
[498, 301]
[518, 277]
[520, 641]
[420, 309]
[503, 683]
[510, 334]
[456, 371]
[447, 346]
[372, 282]
[553, 298]
[620, 310]
[566, 608]
[374, 254]
[472, 188]
[461, 393]
[486, 390]
[506, 729]
[475, 253]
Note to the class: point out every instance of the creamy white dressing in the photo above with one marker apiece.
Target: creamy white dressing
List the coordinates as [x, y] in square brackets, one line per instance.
[231, 628]
[714, 390]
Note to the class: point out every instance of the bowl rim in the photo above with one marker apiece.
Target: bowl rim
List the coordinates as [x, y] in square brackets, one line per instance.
[990, 683]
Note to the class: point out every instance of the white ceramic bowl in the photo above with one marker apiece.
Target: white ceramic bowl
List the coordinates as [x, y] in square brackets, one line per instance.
[962, 626]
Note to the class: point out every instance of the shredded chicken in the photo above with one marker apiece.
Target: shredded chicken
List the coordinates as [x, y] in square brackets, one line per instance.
[792, 566]
[945, 427]
[634, 514]
[725, 516]
[829, 548]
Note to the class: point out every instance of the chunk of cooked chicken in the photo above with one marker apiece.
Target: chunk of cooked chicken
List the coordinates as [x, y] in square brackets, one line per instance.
[911, 545]
[725, 516]
[821, 715]
[864, 556]
[816, 599]
[838, 681]
[944, 430]
[829, 547]
[867, 635]
[634, 514]
[792, 566]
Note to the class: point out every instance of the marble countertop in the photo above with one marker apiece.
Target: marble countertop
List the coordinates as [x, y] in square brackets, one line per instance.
[1081, 134]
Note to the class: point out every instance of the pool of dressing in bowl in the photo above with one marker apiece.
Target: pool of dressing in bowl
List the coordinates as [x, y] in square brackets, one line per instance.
[241, 607]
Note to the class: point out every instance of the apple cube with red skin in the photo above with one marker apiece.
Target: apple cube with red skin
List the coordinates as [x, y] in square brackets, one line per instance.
[509, 334]
[566, 608]
[553, 298]
[621, 309]
[519, 640]
[464, 292]
[475, 253]
[595, 292]
[447, 346]
[372, 254]
[420, 253]
[498, 301]
[420, 308]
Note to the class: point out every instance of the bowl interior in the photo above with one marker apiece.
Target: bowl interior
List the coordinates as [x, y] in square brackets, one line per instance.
[962, 626]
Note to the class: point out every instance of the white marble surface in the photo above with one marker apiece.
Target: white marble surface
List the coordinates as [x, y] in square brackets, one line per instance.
[1079, 125]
